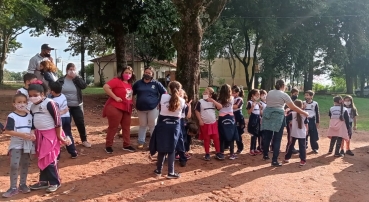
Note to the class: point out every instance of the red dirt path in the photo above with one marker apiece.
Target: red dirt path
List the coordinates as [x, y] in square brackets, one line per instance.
[122, 176]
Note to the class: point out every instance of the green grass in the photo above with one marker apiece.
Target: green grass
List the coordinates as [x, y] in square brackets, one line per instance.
[11, 86]
[93, 91]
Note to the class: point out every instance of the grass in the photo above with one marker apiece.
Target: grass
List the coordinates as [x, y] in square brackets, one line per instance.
[93, 91]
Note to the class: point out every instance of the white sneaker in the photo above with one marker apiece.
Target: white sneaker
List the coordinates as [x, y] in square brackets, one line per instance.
[86, 144]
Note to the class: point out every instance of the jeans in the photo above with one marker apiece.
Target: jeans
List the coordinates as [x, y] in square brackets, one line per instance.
[118, 117]
[67, 128]
[77, 115]
[268, 136]
[290, 148]
[146, 119]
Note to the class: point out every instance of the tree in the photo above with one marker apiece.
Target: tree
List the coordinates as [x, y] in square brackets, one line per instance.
[213, 44]
[112, 19]
[17, 17]
[196, 16]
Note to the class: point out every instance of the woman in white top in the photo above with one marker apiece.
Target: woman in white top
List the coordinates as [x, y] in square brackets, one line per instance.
[298, 133]
[168, 129]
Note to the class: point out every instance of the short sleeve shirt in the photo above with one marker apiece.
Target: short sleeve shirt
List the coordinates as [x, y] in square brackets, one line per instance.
[277, 99]
[122, 90]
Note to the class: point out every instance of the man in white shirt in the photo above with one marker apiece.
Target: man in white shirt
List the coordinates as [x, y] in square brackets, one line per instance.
[34, 62]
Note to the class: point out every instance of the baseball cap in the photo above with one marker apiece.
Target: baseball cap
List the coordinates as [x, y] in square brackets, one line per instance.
[46, 47]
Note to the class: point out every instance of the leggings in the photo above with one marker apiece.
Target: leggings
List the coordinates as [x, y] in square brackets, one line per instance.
[161, 159]
[21, 160]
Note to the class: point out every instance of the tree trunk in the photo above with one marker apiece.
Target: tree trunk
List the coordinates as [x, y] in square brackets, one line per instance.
[4, 49]
[210, 73]
[356, 82]
[83, 51]
[188, 44]
[120, 46]
[362, 84]
[349, 80]
[309, 83]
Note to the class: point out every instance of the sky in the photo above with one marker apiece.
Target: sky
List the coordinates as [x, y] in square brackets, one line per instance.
[18, 61]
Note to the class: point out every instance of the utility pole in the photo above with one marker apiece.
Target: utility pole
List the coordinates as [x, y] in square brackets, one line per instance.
[56, 59]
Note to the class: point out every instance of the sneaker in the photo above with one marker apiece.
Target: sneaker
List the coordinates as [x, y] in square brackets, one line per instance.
[276, 164]
[315, 151]
[219, 156]
[24, 188]
[238, 152]
[252, 153]
[129, 148]
[39, 185]
[339, 155]
[233, 157]
[74, 156]
[257, 152]
[157, 172]
[342, 152]
[207, 157]
[86, 144]
[349, 152]
[286, 161]
[109, 150]
[177, 158]
[140, 146]
[53, 188]
[302, 163]
[173, 176]
[265, 158]
[11, 192]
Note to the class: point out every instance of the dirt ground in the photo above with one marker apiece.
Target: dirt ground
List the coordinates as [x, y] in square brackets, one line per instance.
[123, 176]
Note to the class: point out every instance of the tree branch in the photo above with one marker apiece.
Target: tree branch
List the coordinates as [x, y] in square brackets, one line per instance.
[18, 33]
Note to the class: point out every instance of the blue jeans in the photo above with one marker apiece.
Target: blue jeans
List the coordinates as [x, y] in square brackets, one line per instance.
[146, 119]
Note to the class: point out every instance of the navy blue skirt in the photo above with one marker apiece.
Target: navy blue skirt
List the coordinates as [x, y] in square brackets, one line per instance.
[227, 128]
[240, 121]
[165, 136]
[253, 127]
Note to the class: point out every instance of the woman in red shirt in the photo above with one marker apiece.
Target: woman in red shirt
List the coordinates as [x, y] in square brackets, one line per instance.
[118, 108]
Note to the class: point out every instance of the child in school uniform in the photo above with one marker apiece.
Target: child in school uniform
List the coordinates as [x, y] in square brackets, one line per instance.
[168, 129]
[237, 93]
[294, 96]
[263, 96]
[19, 126]
[314, 117]
[205, 113]
[49, 136]
[253, 127]
[352, 111]
[298, 133]
[338, 125]
[226, 121]
[182, 141]
[28, 78]
[60, 99]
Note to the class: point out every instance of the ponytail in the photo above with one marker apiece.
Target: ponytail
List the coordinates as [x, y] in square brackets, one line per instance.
[341, 112]
[174, 101]
[299, 104]
[338, 100]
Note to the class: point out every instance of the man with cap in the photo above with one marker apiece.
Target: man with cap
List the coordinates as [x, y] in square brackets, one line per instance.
[34, 62]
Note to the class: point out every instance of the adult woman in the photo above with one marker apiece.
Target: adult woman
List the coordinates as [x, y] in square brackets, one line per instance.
[118, 108]
[148, 92]
[273, 121]
[72, 89]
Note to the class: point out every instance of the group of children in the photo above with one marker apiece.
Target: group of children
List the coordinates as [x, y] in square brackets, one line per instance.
[38, 125]
[230, 102]
[41, 125]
